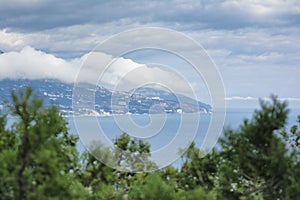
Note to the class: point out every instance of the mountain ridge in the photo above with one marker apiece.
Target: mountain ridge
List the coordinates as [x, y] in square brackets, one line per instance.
[140, 101]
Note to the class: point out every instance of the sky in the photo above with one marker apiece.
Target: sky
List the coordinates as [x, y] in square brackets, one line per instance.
[255, 45]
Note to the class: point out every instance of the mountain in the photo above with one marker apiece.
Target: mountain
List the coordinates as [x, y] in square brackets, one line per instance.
[170, 102]
[140, 101]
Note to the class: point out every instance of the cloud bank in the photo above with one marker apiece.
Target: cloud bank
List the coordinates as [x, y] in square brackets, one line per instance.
[127, 74]
[32, 64]
[253, 43]
[239, 98]
[47, 14]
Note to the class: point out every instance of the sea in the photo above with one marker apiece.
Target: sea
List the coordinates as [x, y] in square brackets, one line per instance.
[163, 132]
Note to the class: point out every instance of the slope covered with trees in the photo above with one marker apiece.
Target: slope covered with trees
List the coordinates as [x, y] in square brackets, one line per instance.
[39, 160]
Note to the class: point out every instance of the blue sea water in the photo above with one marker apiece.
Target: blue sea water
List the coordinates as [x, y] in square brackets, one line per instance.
[162, 137]
[161, 130]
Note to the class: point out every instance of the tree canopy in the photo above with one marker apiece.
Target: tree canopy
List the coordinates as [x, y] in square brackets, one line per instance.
[39, 160]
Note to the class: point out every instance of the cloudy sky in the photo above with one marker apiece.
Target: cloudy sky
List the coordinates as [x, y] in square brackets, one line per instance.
[254, 44]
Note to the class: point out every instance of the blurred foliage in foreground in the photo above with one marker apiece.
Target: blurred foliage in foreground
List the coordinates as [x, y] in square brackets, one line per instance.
[39, 160]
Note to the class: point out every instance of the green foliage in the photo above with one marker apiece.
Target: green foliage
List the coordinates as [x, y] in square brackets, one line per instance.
[254, 161]
[38, 155]
[152, 188]
[292, 137]
[39, 160]
[197, 193]
[95, 175]
[132, 154]
[195, 170]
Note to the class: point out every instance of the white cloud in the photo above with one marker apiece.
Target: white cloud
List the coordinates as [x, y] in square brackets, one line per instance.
[125, 74]
[238, 98]
[253, 43]
[31, 15]
[289, 99]
[248, 98]
[252, 62]
[33, 64]
[11, 41]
